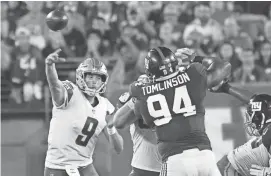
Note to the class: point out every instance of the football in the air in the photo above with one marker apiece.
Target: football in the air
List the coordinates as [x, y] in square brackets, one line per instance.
[57, 20]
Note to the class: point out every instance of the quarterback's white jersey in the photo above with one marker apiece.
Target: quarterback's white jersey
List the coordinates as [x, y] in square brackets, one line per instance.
[145, 156]
[74, 129]
[252, 152]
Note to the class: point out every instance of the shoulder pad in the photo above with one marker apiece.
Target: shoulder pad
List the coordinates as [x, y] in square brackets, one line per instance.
[68, 85]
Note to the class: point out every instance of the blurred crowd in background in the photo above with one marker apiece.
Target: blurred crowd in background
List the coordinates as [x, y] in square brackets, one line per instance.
[120, 33]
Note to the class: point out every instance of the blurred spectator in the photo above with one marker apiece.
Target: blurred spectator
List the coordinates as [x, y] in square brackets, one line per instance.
[74, 40]
[99, 48]
[131, 33]
[27, 71]
[154, 42]
[171, 15]
[219, 11]
[234, 35]
[54, 42]
[124, 71]
[265, 58]
[152, 11]
[267, 31]
[7, 26]
[16, 9]
[227, 52]
[49, 6]
[119, 8]
[5, 61]
[105, 21]
[71, 7]
[34, 20]
[252, 24]
[204, 32]
[137, 19]
[165, 34]
[186, 12]
[249, 72]
[269, 13]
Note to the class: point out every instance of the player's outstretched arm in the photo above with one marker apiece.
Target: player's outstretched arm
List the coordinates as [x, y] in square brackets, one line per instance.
[125, 116]
[217, 69]
[56, 87]
[112, 135]
[239, 93]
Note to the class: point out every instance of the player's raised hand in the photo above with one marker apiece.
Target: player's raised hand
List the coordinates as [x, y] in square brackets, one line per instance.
[54, 57]
[185, 54]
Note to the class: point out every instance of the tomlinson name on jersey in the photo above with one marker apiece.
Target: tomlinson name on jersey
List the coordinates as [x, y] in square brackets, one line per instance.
[175, 81]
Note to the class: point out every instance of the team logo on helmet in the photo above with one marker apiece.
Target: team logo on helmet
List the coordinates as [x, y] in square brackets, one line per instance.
[256, 106]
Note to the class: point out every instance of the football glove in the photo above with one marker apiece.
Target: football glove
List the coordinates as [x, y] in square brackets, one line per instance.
[222, 87]
[256, 170]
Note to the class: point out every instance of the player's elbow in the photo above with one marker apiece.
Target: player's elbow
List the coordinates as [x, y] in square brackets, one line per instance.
[119, 150]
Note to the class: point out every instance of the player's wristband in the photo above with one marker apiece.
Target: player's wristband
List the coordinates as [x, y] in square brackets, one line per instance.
[131, 103]
[111, 131]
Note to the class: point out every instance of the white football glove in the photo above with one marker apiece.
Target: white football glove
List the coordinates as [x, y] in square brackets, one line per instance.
[256, 170]
[185, 54]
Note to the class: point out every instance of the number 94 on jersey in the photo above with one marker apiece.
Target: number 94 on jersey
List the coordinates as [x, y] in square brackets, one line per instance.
[170, 106]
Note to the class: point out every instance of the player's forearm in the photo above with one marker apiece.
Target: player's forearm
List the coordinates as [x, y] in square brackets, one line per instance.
[124, 117]
[217, 69]
[239, 93]
[55, 85]
[116, 141]
[51, 74]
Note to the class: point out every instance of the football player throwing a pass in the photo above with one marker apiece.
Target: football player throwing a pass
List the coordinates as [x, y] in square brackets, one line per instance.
[80, 114]
[172, 103]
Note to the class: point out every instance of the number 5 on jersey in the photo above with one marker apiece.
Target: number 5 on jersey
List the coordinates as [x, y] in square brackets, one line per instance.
[181, 94]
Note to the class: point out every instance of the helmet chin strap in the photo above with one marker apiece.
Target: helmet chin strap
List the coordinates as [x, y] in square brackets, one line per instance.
[93, 92]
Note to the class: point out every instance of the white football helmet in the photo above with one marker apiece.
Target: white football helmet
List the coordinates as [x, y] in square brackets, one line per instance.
[92, 66]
